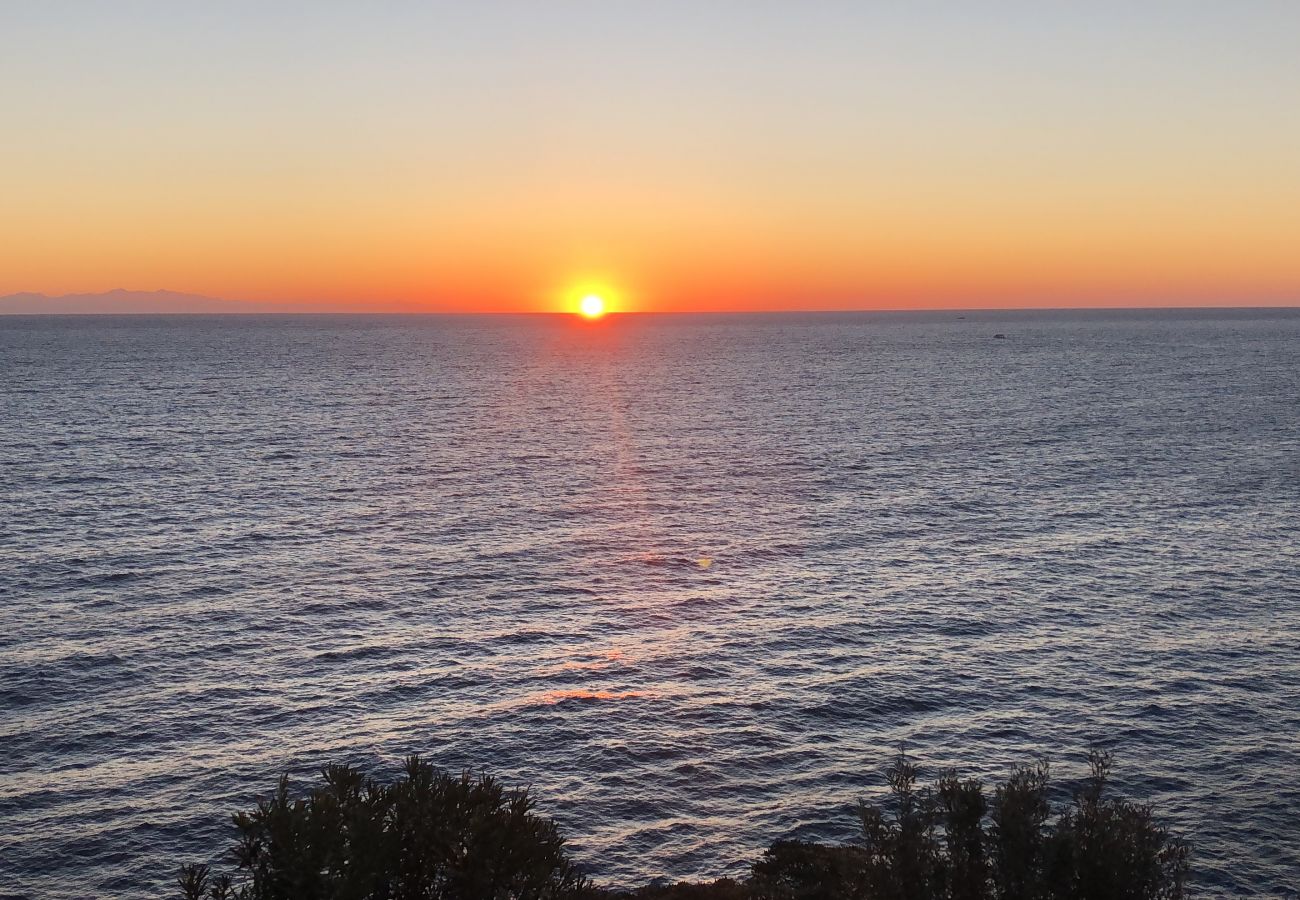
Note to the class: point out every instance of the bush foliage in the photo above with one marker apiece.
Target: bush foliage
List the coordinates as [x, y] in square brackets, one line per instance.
[427, 836]
[435, 836]
[952, 841]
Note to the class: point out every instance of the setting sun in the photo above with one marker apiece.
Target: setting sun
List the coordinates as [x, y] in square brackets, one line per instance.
[592, 306]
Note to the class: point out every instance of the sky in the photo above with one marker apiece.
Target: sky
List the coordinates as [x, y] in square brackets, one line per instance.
[702, 155]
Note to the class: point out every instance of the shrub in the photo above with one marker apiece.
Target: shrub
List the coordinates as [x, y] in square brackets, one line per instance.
[1110, 848]
[950, 842]
[427, 836]
[797, 870]
[435, 836]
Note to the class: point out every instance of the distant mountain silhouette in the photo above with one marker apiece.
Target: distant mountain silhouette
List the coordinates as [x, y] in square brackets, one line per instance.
[121, 301]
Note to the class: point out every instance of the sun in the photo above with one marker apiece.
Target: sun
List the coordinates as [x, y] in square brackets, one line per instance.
[590, 298]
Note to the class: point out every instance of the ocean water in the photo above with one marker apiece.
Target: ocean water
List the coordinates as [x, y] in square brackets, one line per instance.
[232, 547]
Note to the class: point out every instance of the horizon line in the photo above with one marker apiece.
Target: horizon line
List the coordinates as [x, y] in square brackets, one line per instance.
[1293, 305]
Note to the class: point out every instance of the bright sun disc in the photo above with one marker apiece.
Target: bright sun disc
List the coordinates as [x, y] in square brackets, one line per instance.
[592, 306]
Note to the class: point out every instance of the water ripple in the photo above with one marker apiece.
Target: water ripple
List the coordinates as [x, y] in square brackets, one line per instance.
[693, 578]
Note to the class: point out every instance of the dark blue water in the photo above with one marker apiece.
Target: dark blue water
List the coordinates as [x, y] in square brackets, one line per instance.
[235, 546]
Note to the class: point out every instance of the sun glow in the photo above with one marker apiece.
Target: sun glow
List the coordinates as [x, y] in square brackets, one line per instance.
[591, 298]
[592, 306]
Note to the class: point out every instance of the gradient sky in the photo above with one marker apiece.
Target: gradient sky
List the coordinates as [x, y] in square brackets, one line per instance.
[682, 155]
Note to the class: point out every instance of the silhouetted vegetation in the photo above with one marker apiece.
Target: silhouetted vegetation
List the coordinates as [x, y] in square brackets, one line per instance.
[427, 836]
[435, 836]
[952, 842]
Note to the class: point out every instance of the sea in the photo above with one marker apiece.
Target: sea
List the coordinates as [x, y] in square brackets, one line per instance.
[695, 580]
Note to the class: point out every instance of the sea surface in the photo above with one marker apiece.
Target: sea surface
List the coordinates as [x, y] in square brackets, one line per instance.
[694, 579]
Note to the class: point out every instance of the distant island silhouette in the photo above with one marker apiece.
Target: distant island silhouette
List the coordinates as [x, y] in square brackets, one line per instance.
[121, 301]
